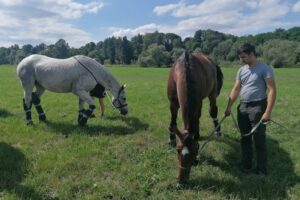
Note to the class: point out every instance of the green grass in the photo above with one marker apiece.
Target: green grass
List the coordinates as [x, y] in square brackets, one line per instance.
[128, 157]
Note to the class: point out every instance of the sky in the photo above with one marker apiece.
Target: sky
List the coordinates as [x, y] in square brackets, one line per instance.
[83, 21]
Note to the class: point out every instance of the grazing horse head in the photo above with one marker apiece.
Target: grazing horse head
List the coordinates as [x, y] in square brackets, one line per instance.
[192, 78]
[187, 151]
[119, 101]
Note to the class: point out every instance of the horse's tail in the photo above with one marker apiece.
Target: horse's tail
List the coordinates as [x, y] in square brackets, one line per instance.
[190, 93]
[219, 79]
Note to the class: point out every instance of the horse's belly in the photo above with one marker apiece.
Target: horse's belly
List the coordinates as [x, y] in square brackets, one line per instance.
[60, 86]
[56, 81]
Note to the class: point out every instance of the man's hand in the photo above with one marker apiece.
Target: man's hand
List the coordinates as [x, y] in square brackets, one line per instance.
[227, 112]
[266, 117]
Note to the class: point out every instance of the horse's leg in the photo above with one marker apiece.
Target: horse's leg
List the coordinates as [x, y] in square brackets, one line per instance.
[27, 103]
[37, 102]
[81, 109]
[84, 114]
[197, 131]
[197, 127]
[174, 106]
[213, 111]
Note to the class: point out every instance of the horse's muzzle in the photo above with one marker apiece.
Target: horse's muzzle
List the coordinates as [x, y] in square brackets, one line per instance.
[124, 111]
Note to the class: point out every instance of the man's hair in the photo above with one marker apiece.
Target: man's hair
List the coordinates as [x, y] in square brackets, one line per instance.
[246, 48]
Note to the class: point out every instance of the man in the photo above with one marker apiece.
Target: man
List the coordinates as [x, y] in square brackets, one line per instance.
[252, 82]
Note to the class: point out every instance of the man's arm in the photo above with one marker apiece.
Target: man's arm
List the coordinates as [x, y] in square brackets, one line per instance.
[233, 96]
[271, 98]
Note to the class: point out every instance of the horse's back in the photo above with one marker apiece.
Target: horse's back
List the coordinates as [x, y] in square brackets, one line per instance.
[201, 71]
[57, 75]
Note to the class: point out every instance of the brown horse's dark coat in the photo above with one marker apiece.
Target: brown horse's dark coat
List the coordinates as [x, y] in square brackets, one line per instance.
[192, 78]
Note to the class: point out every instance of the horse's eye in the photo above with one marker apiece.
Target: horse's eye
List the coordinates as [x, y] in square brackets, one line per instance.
[124, 99]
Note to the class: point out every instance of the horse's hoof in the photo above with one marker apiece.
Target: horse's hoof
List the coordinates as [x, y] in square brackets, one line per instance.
[218, 133]
[196, 162]
[82, 121]
[29, 123]
[42, 118]
[82, 125]
[172, 143]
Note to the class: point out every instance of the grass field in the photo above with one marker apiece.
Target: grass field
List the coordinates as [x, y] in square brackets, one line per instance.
[128, 157]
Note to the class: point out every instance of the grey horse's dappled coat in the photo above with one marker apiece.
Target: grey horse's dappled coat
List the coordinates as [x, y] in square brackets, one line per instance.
[78, 74]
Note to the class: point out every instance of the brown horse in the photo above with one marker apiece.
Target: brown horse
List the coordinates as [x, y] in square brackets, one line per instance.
[192, 78]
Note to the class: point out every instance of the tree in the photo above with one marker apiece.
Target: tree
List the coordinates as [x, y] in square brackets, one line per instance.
[4, 52]
[280, 53]
[137, 46]
[127, 51]
[39, 48]
[221, 51]
[171, 41]
[110, 49]
[60, 49]
[155, 55]
[189, 44]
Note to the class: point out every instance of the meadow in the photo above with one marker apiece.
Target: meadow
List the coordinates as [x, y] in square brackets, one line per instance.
[118, 157]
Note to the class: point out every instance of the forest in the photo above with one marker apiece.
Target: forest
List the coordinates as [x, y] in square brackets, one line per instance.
[279, 49]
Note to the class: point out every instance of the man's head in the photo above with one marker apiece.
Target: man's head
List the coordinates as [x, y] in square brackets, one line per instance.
[247, 53]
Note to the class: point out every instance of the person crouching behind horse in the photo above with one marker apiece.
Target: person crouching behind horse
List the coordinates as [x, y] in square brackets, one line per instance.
[252, 81]
[99, 92]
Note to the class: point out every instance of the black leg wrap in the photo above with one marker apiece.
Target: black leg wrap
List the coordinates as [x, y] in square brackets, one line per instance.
[36, 101]
[92, 107]
[213, 112]
[27, 112]
[172, 138]
[82, 118]
[216, 124]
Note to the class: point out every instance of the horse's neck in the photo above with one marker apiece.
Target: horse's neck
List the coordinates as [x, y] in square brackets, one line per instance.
[109, 82]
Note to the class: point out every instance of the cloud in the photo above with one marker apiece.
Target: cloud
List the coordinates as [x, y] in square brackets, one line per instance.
[235, 17]
[43, 21]
[120, 32]
[160, 10]
[68, 9]
[10, 2]
[296, 7]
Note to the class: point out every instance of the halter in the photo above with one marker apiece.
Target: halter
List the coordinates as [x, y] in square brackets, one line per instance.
[117, 99]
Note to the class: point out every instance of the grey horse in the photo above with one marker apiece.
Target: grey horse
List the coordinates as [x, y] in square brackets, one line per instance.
[78, 74]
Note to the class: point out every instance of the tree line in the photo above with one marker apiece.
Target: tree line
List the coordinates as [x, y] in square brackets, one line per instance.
[280, 48]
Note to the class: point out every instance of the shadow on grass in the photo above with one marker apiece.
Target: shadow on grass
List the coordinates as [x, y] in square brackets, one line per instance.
[13, 169]
[4, 113]
[130, 125]
[281, 176]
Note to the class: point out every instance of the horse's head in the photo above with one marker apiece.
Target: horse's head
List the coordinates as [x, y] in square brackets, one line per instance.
[187, 150]
[119, 102]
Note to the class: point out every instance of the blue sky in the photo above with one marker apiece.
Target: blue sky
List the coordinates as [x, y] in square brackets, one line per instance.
[82, 21]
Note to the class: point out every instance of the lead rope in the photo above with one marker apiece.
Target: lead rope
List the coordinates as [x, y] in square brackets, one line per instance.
[256, 125]
[212, 134]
